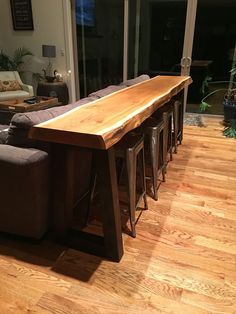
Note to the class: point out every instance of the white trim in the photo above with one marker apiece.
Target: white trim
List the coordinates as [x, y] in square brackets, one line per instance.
[67, 18]
[188, 36]
[137, 31]
[75, 49]
[188, 42]
[83, 48]
[126, 38]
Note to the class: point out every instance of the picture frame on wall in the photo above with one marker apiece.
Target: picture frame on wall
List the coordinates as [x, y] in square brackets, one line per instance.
[22, 16]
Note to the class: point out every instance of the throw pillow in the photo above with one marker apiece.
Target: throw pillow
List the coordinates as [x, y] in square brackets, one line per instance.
[6, 86]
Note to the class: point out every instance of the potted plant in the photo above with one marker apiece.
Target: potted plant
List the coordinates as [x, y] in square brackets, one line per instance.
[15, 63]
[230, 98]
[229, 101]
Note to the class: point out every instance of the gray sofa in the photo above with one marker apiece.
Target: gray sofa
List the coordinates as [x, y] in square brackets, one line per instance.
[25, 169]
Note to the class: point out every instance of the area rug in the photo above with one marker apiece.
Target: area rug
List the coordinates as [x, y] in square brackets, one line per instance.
[193, 119]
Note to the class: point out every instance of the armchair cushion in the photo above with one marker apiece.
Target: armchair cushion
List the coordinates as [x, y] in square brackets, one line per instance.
[9, 86]
[13, 95]
[20, 91]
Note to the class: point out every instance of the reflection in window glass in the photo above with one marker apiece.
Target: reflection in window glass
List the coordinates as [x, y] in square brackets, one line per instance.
[100, 32]
[213, 50]
[161, 36]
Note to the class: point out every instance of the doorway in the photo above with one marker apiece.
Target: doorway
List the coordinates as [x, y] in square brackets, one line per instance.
[213, 51]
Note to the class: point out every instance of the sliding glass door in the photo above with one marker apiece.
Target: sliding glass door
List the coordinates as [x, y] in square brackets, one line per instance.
[161, 37]
[213, 53]
[99, 34]
[157, 34]
[119, 39]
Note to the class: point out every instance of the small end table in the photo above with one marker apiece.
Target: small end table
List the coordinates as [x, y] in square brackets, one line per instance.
[54, 89]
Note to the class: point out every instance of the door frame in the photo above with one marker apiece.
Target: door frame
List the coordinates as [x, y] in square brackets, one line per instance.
[186, 60]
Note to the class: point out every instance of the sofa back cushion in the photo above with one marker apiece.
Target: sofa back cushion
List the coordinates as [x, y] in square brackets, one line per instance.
[22, 122]
[106, 91]
[136, 80]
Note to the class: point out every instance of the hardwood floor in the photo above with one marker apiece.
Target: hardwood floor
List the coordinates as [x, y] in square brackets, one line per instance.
[183, 259]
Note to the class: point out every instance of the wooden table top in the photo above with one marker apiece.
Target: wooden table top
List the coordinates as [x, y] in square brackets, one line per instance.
[102, 123]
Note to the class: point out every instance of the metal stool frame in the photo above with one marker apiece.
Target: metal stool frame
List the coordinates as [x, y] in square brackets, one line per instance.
[131, 153]
[153, 131]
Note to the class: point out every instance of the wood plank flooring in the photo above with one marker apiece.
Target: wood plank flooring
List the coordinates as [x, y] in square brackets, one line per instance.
[182, 261]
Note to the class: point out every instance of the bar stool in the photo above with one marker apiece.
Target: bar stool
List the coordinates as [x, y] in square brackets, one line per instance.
[168, 122]
[166, 113]
[130, 149]
[178, 124]
[155, 139]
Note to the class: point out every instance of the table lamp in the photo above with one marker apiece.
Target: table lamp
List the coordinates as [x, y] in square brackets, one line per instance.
[49, 52]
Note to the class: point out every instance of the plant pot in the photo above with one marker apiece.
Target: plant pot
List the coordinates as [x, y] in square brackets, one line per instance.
[229, 109]
[50, 79]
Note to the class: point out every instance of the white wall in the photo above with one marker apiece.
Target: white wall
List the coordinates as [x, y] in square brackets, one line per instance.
[49, 29]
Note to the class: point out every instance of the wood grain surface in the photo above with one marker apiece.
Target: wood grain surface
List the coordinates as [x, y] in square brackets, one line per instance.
[183, 259]
[104, 122]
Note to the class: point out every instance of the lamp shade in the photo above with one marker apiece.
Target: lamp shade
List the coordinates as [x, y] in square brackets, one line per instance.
[49, 51]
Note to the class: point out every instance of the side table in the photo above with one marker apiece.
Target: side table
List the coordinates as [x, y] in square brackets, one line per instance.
[54, 89]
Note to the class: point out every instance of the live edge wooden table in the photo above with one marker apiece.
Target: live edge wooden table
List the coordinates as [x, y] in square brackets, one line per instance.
[98, 126]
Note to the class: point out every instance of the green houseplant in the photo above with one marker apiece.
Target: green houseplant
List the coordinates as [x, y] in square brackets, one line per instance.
[230, 95]
[16, 62]
[229, 101]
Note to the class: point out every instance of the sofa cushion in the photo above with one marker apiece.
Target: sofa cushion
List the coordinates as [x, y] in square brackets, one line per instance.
[106, 91]
[84, 101]
[136, 80]
[11, 85]
[24, 187]
[21, 156]
[22, 122]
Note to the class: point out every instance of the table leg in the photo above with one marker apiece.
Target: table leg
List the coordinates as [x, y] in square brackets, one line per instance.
[111, 246]
[106, 171]
[63, 178]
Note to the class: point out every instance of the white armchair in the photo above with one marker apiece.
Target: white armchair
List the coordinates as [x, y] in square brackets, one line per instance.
[24, 92]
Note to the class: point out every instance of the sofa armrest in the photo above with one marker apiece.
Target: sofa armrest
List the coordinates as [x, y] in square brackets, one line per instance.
[24, 191]
[28, 88]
